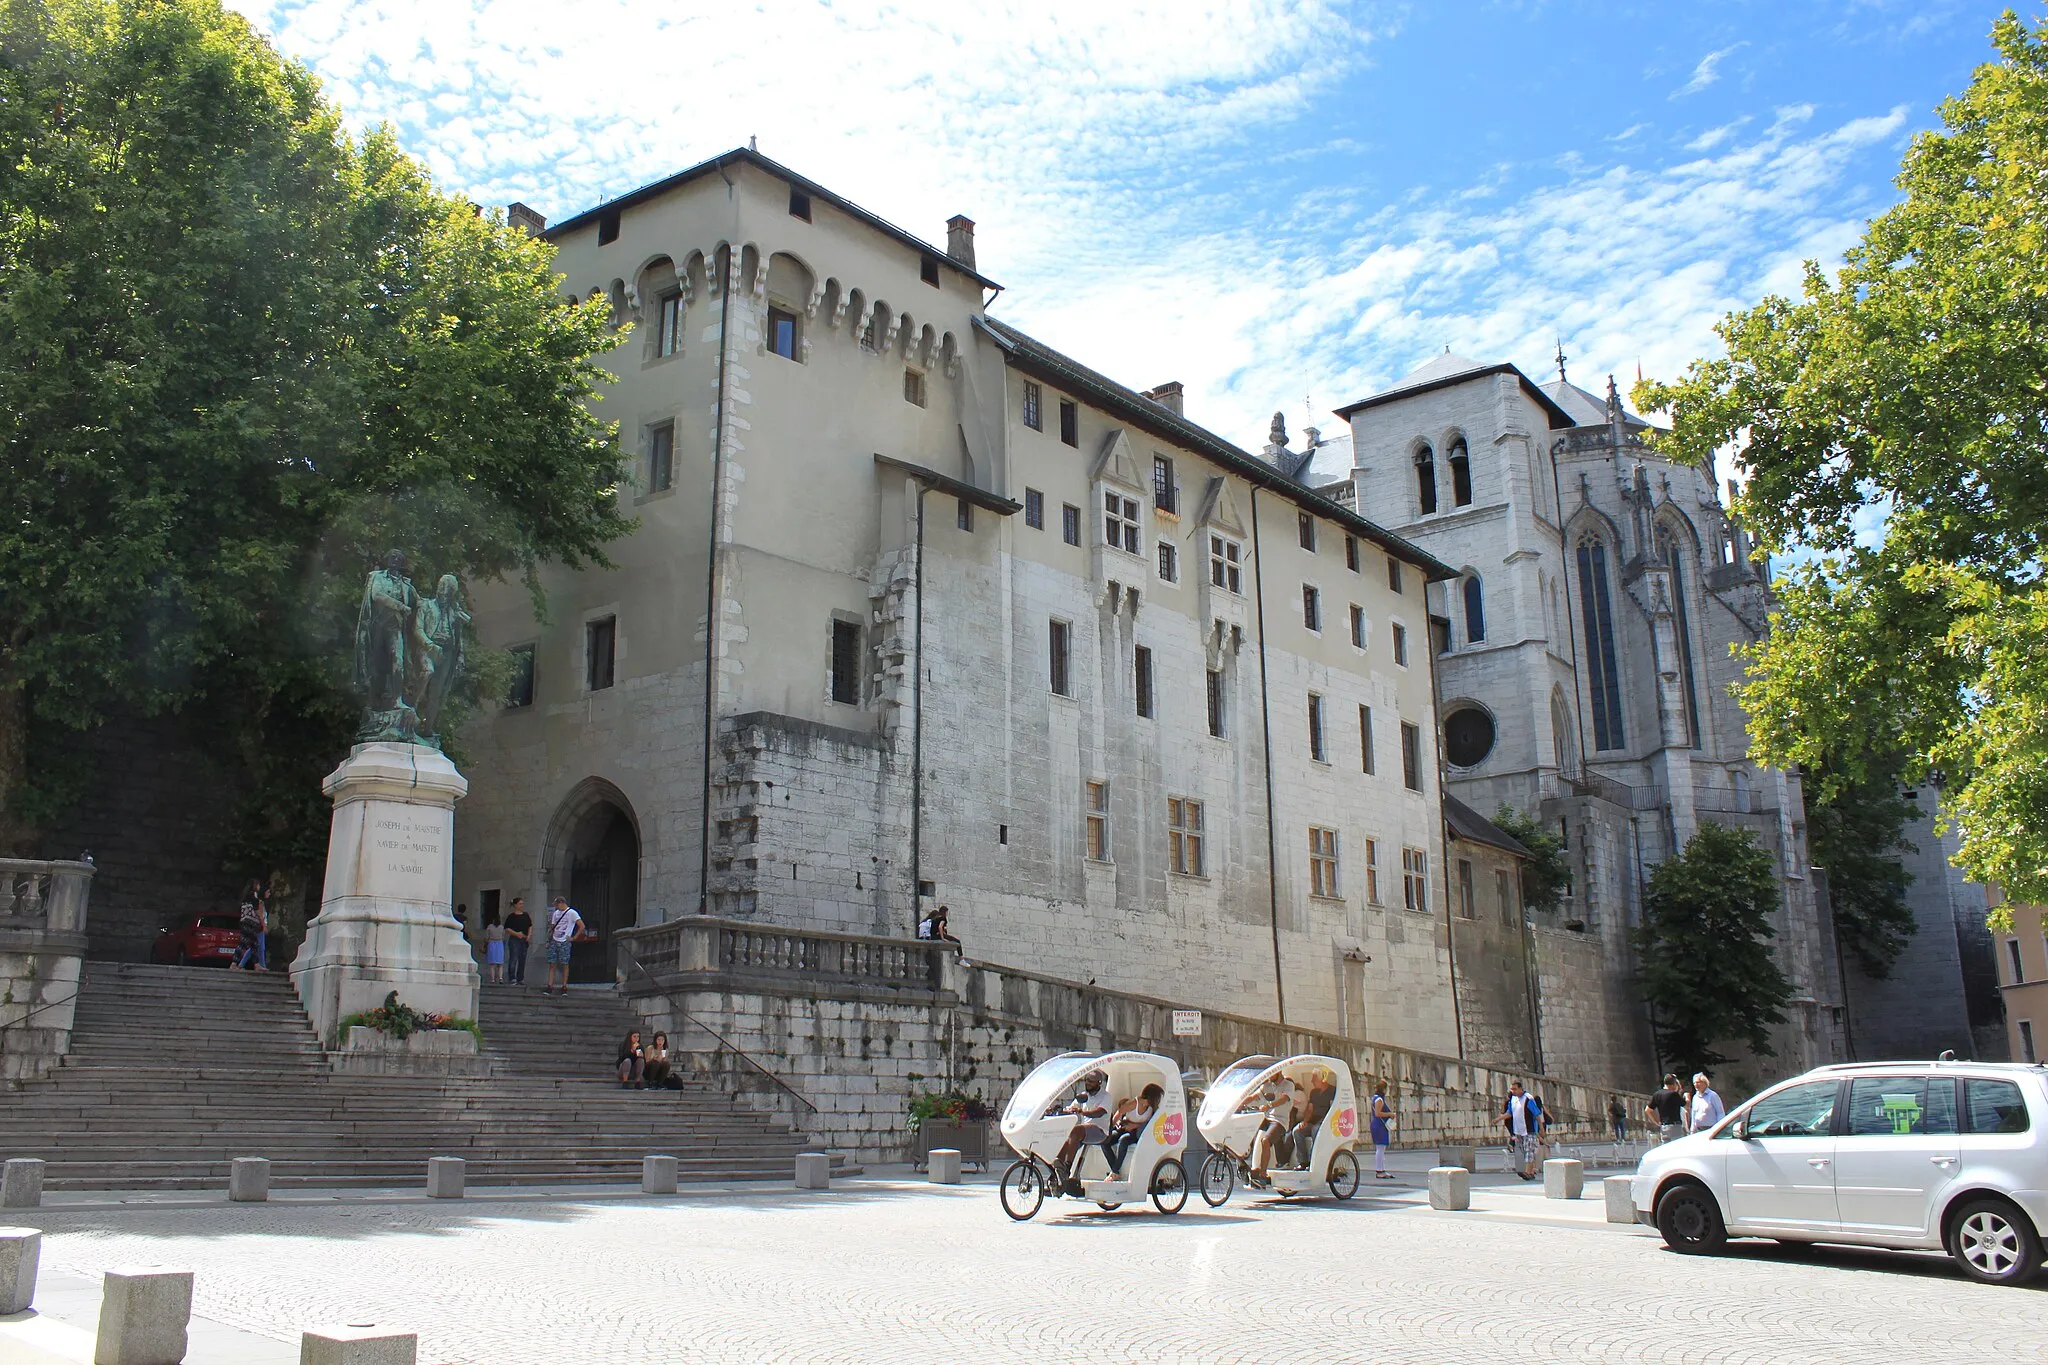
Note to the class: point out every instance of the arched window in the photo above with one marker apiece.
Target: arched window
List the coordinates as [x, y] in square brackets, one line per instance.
[1670, 547]
[1461, 474]
[1475, 611]
[1603, 670]
[1425, 480]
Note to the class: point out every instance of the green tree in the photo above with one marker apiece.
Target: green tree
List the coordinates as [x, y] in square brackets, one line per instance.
[1905, 394]
[241, 353]
[1546, 877]
[1705, 944]
[1857, 833]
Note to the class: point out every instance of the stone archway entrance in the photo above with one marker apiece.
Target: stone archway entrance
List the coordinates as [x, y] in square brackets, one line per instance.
[593, 858]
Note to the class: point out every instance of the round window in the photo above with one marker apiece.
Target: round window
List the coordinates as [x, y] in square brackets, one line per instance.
[1468, 736]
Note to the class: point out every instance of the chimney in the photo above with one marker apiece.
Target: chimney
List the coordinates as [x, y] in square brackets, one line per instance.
[1168, 396]
[520, 216]
[960, 239]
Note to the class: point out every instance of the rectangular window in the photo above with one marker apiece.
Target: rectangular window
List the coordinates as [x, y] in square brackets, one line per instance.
[2027, 1040]
[1070, 423]
[661, 457]
[1034, 509]
[1393, 574]
[1351, 553]
[1316, 748]
[1357, 626]
[1305, 527]
[1098, 821]
[913, 387]
[1399, 634]
[1169, 562]
[1504, 895]
[1902, 1106]
[600, 644]
[799, 205]
[1322, 863]
[1034, 406]
[1070, 523]
[1225, 569]
[1372, 871]
[1120, 522]
[1411, 756]
[1312, 608]
[1994, 1107]
[1365, 738]
[1165, 495]
[928, 271]
[1184, 835]
[782, 333]
[963, 516]
[668, 333]
[519, 692]
[846, 663]
[1468, 900]
[1059, 635]
[1415, 880]
[1215, 704]
[2012, 950]
[1141, 681]
[608, 227]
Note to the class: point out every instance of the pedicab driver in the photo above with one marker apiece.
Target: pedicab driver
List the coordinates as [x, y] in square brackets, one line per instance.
[1093, 1111]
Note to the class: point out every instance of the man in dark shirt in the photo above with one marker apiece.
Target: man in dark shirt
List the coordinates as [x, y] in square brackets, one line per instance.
[1667, 1110]
[518, 936]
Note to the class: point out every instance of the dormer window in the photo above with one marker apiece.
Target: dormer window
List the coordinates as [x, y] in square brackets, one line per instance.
[799, 205]
[1425, 480]
[1120, 522]
[607, 227]
[1226, 568]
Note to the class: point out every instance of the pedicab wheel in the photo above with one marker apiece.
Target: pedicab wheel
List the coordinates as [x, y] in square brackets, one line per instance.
[1106, 1206]
[1344, 1175]
[1169, 1186]
[1023, 1189]
[1218, 1179]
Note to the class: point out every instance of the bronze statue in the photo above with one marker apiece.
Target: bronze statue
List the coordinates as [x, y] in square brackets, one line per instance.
[408, 654]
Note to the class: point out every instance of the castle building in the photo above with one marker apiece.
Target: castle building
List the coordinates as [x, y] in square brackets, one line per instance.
[920, 611]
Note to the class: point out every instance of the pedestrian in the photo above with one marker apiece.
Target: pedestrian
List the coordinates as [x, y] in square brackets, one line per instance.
[1617, 1119]
[1666, 1109]
[518, 938]
[494, 947]
[1523, 1117]
[1706, 1108]
[258, 894]
[250, 948]
[1381, 1114]
[564, 927]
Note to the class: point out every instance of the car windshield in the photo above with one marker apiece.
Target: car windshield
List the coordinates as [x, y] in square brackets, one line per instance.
[1043, 1086]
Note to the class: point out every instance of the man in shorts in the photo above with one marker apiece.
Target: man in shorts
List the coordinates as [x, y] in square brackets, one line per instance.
[1523, 1118]
[564, 924]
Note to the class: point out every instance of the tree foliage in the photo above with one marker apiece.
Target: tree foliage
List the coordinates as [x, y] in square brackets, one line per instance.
[242, 352]
[1705, 944]
[1894, 422]
[1547, 876]
[1857, 833]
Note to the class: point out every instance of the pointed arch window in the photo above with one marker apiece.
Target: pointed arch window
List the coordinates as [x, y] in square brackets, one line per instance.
[1461, 475]
[1475, 611]
[1425, 480]
[1603, 670]
[1671, 550]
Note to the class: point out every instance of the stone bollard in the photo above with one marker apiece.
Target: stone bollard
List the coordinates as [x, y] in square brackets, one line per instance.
[144, 1311]
[1450, 1187]
[813, 1171]
[1563, 1178]
[1465, 1156]
[943, 1166]
[658, 1175]
[21, 1250]
[248, 1180]
[358, 1345]
[21, 1186]
[1621, 1199]
[444, 1177]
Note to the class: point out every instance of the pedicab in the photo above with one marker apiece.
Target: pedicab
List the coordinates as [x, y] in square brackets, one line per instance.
[1241, 1104]
[1055, 1101]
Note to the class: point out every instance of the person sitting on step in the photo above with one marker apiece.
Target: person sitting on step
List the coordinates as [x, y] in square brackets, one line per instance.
[633, 1062]
[660, 1071]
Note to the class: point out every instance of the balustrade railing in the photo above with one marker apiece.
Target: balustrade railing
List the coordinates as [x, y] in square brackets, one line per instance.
[700, 943]
[50, 896]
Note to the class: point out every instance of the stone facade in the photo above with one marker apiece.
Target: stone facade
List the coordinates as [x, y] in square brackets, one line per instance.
[42, 945]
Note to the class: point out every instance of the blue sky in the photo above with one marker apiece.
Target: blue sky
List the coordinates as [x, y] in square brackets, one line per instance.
[1283, 205]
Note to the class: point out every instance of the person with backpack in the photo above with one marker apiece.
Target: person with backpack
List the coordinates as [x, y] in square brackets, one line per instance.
[565, 926]
[1524, 1119]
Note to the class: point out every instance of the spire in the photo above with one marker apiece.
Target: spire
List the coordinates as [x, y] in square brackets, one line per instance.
[1613, 401]
[1560, 361]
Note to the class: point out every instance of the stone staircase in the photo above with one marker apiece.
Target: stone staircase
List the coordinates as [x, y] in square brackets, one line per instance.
[173, 1071]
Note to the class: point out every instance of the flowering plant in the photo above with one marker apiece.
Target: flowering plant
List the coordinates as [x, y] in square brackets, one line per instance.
[401, 1021]
[948, 1106]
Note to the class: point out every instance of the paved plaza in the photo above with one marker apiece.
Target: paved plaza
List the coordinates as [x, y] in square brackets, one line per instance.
[890, 1269]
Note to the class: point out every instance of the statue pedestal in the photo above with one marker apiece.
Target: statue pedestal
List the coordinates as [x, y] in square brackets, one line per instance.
[385, 922]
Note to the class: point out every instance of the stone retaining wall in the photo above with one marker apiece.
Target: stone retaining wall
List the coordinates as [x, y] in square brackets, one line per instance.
[42, 941]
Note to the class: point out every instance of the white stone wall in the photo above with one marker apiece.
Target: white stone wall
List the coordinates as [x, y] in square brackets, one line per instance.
[38, 991]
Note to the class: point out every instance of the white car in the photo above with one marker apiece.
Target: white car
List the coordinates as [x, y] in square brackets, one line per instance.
[1946, 1155]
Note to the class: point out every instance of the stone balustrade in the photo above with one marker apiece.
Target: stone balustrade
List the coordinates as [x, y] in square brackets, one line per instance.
[706, 951]
[44, 897]
[42, 943]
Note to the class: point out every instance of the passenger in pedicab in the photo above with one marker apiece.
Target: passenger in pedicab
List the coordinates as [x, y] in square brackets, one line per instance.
[1322, 1093]
[1273, 1143]
[1092, 1108]
[1129, 1123]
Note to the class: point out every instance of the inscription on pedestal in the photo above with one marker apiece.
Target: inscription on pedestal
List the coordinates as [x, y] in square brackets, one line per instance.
[409, 847]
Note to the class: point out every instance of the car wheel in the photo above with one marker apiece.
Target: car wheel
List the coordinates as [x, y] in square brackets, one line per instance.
[1691, 1221]
[1993, 1242]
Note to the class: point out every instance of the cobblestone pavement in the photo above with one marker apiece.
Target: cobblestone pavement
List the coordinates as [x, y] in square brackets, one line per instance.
[885, 1270]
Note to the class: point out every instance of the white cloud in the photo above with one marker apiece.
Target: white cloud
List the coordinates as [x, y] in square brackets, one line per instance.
[1707, 72]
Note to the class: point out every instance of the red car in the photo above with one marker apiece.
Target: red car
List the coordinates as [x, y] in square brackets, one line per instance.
[206, 937]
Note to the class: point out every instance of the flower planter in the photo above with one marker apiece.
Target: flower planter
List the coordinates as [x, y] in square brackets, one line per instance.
[427, 1052]
[971, 1140]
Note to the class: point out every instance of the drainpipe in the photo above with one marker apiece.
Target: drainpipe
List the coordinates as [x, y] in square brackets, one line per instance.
[711, 598]
[917, 722]
[1266, 725]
